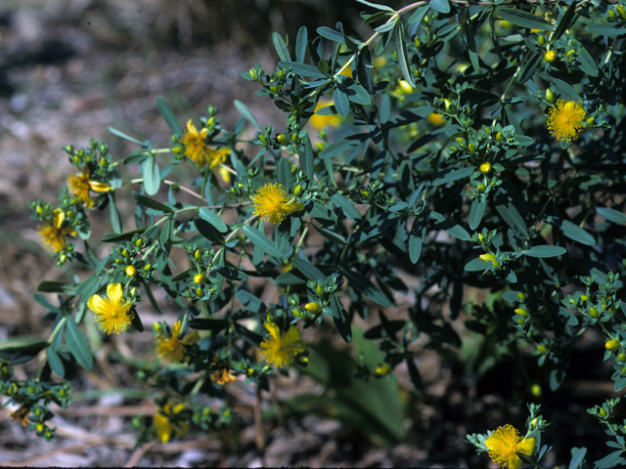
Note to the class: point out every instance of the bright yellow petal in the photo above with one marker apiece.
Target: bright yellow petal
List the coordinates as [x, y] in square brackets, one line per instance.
[190, 127]
[99, 186]
[96, 303]
[526, 446]
[114, 292]
[176, 329]
[58, 218]
[273, 330]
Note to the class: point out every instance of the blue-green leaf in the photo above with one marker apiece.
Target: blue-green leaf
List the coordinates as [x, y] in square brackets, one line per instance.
[261, 241]
[576, 233]
[365, 286]
[151, 175]
[607, 29]
[611, 215]
[78, 345]
[523, 18]
[213, 219]
[440, 6]
[347, 206]
[544, 251]
[452, 175]
[168, 116]
[476, 213]
[281, 48]
[309, 270]
[245, 112]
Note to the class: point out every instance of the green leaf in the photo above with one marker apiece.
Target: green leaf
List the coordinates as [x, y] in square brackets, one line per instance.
[113, 238]
[567, 90]
[207, 230]
[329, 33]
[301, 39]
[476, 265]
[251, 302]
[17, 350]
[151, 203]
[305, 158]
[281, 47]
[377, 6]
[607, 29]
[336, 148]
[565, 22]
[512, 217]
[476, 213]
[349, 210]
[309, 270]
[341, 318]
[440, 6]
[55, 363]
[43, 302]
[151, 176]
[208, 215]
[365, 286]
[523, 19]
[168, 116]
[611, 215]
[342, 103]
[116, 220]
[289, 278]
[449, 226]
[245, 112]
[364, 70]
[576, 233]
[544, 251]
[284, 173]
[121, 134]
[303, 69]
[578, 456]
[50, 286]
[587, 64]
[612, 460]
[452, 175]
[261, 241]
[403, 52]
[78, 345]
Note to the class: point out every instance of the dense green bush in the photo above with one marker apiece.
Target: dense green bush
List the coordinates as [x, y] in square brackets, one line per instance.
[473, 145]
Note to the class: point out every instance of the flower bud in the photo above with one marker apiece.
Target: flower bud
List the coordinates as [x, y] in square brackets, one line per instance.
[471, 147]
[593, 312]
[612, 345]
[313, 307]
[549, 95]
[549, 56]
[490, 258]
[40, 427]
[198, 278]
[319, 290]
[584, 298]
[147, 267]
[542, 349]
[521, 312]
[622, 357]
[481, 188]
[603, 413]
[405, 86]
[485, 167]
[199, 292]
[498, 136]
[590, 121]
[282, 139]
[297, 190]
[197, 254]
[131, 271]
[125, 252]
[535, 390]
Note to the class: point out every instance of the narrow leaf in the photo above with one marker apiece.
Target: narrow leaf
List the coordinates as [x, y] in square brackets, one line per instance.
[78, 344]
[261, 241]
[576, 233]
[523, 19]
[245, 112]
[168, 116]
[281, 47]
[403, 52]
[544, 251]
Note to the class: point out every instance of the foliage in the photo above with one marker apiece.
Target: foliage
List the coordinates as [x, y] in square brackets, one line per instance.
[470, 145]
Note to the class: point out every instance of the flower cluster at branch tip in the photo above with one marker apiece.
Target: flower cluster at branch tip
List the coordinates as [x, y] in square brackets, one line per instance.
[80, 186]
[199, 152]
[112, 314]
[504, 444]
[566, 119]
[279, 348]
[165, 422]
[271, 202]
[54, 234]
[172, 349]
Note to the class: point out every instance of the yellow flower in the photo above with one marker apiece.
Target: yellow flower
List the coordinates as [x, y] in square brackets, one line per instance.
[172, 349]
[113, 313]
[165, 424]
[280, 349]
[330, 120]
[271, 201]
[435, 119]
[565, 120]
[54, 234]
[505, 443]
[223, 377]
[80, 185]
[198, 151]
